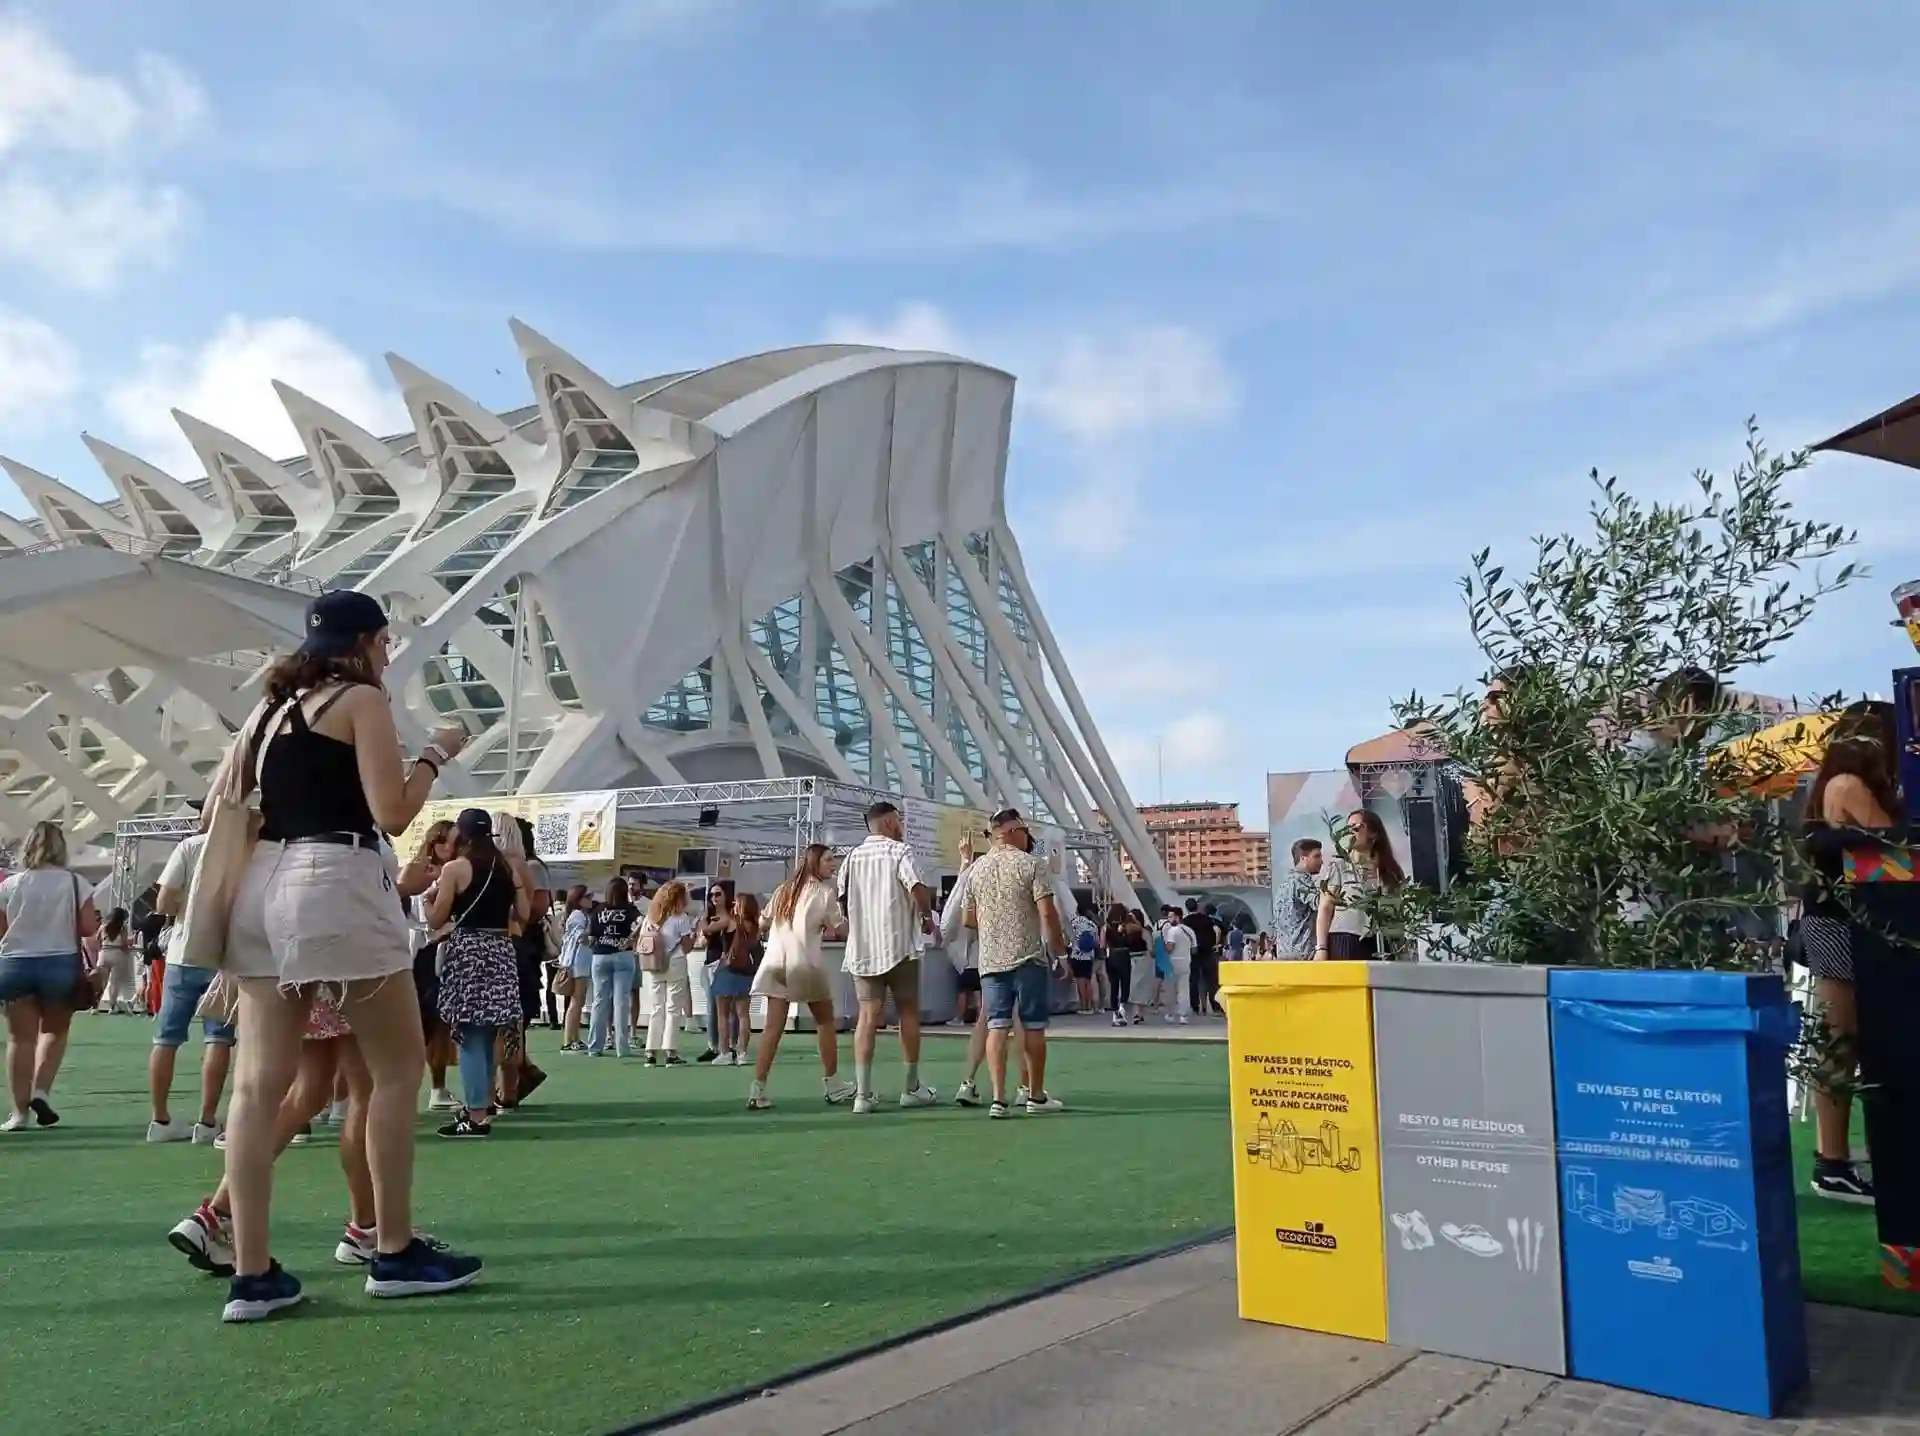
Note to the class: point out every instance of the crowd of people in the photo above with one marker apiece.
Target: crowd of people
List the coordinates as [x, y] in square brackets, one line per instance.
[343, 979]
[308, 1015]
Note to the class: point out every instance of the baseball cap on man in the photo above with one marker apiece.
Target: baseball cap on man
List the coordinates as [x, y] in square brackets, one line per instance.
[338, 620]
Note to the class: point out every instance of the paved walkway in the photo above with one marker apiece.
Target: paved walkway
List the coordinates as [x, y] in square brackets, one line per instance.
[1159, 1349]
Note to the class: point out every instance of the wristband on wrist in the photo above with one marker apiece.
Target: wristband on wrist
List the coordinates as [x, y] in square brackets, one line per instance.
[424, 761]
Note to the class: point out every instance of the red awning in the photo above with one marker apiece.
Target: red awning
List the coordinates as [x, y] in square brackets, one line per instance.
[1893, 435]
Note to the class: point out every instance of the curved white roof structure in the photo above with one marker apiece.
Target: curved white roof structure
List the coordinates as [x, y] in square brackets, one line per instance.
[793, 563]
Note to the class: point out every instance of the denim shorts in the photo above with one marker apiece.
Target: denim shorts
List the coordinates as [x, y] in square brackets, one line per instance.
[179, 996]
[50, 979]
[1028, 989]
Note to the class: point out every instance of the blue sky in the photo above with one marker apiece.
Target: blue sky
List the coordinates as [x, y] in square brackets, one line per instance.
[1307, 302]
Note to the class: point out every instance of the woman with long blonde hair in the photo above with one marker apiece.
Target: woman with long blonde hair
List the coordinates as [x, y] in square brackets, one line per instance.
[662, 944]
[435, 852]
[45, 917]
[803, 911]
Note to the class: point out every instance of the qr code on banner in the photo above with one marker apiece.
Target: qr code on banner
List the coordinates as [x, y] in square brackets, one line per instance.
[549, 834]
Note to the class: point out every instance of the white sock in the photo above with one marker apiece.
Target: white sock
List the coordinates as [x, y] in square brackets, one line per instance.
[39, 1095]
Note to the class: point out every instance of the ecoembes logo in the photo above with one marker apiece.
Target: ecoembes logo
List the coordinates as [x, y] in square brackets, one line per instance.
[1314, 1236]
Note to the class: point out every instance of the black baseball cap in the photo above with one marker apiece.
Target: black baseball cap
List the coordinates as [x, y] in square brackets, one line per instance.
[338, 620]
[474, 823]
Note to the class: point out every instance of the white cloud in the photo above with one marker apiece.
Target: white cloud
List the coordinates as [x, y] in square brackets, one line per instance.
[47, 101]
[86, 235]
[228, 383]
[73, 205]
[38, 369]
[917, 325]
[1107, 390]
[1192, 752]
[1118, 675]
[1199, 739]
[1100, 387]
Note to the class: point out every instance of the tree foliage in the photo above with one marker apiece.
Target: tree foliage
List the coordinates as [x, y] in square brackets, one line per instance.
[1611, 827]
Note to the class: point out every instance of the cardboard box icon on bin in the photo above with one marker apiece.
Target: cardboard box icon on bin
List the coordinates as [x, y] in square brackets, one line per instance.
[1681, 1257]
[1306, 1140]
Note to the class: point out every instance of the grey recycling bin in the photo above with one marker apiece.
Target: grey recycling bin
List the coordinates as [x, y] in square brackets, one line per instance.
[1467, 1173]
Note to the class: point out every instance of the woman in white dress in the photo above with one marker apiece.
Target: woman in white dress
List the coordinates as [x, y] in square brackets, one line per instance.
[802, 912]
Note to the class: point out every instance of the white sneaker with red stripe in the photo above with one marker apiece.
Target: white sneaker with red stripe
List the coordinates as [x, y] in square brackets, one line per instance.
[205, 1239]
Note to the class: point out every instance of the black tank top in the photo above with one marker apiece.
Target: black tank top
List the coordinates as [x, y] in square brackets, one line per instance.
[485, 903]
[310, 783]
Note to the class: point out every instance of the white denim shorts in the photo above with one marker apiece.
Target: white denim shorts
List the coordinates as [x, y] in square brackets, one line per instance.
[316, 912]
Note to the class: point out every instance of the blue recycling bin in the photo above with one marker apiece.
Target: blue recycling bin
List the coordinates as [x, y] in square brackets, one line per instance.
[1680, 1252]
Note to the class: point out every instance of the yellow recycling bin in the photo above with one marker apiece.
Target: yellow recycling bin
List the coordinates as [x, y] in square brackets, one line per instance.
[1306, 1146]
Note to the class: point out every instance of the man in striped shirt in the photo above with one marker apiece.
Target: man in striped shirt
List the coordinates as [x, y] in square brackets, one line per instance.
[886, 903]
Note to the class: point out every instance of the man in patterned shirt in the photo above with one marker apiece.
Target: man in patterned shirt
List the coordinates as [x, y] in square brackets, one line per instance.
[1010, 905]
[885, 901]
[1298, 901]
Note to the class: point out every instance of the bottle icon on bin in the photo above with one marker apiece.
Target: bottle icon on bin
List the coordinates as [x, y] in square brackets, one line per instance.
[1284, 1148]
[1260, 1149]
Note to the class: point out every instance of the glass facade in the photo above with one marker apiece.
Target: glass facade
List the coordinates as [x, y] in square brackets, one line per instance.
[459, 690]
[826, 678]
[472, 472]
[182, 538]
[361, 569]
[594, 454]
[686, 707]
[365, 497]
[457, 569]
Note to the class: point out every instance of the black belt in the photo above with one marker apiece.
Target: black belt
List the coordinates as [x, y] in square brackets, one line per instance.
[339, 840]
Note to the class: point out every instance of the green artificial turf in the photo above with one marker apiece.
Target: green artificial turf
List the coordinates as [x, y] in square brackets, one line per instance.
[648, 1241]
[1839, 1248]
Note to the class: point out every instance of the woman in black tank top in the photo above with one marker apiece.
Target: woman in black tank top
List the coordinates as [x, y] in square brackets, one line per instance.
[317, 906]
[479, 892]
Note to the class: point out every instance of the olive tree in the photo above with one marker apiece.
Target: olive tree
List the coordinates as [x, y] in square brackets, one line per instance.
[1611, 827]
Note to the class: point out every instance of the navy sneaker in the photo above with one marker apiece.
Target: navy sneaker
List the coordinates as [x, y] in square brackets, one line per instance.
[420, 1270]
[1842, 1182]
[255, 1298]
[43, 1112]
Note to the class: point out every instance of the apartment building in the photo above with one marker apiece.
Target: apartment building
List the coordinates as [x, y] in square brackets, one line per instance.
[1204, 842]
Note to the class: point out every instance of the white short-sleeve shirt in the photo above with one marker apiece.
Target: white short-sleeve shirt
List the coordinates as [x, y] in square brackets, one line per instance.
[876, 884]
[42, 907]
[183, 866]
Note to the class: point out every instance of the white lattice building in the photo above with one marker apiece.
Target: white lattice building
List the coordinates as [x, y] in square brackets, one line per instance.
[794, 563]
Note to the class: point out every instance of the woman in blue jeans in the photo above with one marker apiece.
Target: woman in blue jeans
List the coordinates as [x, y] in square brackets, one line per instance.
[479, 892]
[612, 927]
[44, 914]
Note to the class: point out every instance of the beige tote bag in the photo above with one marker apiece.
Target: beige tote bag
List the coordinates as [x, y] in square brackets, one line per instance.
[232, 826]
